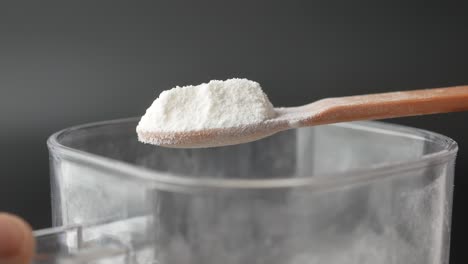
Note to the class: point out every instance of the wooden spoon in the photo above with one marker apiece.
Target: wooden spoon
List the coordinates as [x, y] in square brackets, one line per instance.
[325, 111]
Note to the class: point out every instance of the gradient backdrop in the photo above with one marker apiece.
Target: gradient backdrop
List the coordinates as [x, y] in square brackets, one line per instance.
[78, 62]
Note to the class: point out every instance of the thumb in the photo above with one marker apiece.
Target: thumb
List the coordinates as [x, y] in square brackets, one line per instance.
[16, 240]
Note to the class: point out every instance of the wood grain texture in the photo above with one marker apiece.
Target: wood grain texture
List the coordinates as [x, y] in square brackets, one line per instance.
[389, 105]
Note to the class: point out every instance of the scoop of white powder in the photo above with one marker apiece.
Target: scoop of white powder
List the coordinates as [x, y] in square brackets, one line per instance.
[217, 104]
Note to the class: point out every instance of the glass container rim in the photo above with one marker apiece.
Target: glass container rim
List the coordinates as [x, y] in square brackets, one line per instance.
[342, 178]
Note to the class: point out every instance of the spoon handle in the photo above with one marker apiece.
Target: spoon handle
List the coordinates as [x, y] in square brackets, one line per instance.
[394, 104]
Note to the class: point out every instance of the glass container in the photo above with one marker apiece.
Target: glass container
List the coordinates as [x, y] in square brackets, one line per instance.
[354, 193]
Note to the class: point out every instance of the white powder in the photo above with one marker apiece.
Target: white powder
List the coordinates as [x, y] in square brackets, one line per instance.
[217, 104]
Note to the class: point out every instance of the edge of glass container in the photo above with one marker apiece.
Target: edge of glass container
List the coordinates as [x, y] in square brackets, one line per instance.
[321, 181]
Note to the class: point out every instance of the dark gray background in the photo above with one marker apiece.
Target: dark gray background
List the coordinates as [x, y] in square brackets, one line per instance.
[77, 62]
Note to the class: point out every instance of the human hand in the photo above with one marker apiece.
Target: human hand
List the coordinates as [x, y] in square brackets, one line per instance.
[16, 240]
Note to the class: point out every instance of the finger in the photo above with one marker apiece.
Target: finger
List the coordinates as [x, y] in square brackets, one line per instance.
[16, 240]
